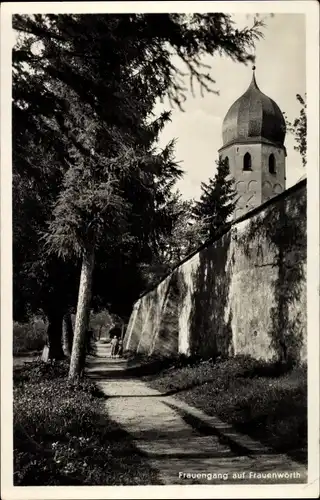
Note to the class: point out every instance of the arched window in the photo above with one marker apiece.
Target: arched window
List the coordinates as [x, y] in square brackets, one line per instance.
[247, 162]
[272, 164]
[226, 161]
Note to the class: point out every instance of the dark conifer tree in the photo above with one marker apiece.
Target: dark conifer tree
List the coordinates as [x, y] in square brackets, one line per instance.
[217, 202]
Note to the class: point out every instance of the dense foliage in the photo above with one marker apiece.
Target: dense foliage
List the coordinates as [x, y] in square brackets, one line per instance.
[217, 202]
[87, 172]
[29, 336]
[299, 129]
[59, 438]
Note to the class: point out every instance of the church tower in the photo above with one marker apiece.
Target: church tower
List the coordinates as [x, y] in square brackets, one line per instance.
[253, 134]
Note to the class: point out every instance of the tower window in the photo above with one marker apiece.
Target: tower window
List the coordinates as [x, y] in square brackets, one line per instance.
[226, 161]
[272, 164]
[247, 162]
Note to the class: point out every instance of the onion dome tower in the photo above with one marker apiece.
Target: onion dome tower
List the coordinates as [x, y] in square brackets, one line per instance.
[253, 134]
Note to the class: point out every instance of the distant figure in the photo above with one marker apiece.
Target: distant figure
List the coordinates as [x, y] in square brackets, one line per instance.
[120, 348]
[114, 346]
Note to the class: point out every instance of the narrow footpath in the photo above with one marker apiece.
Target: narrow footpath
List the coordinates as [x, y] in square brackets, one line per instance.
[180, 440]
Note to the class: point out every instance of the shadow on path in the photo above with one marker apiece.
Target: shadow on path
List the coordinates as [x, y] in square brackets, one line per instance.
[209, 430]
[173, 435]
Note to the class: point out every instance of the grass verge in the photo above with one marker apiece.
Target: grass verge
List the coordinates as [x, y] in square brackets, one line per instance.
[259, 399]
[63, 436]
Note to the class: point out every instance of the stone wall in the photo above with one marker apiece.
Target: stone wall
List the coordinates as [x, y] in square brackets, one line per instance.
[244, 293]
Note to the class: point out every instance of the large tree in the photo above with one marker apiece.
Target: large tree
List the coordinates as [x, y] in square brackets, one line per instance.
[92, 210]
[41, 285]
[114, 67]
[143, 46]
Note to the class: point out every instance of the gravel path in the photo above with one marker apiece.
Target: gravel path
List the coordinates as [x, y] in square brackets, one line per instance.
[180, 440]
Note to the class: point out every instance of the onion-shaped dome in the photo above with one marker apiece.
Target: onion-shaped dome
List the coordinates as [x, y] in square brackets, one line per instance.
[254, 117]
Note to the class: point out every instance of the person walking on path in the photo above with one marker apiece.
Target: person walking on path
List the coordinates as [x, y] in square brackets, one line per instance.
[114, 346]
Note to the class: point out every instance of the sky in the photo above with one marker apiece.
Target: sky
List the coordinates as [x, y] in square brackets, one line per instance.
[280, 74]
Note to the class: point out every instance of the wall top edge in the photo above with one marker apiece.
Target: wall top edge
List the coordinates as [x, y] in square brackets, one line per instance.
[285, 194]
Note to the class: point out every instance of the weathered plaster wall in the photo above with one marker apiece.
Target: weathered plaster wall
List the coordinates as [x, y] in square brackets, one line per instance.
[272, 184]
[242, 294]
[255, 186]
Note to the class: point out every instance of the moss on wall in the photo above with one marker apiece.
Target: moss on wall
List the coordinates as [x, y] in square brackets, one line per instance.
[281, 228]
[210, 335]
[244, 293]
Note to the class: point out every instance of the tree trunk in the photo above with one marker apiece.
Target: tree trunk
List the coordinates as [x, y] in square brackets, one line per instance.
[67, 334]
[54, 334]
[82, 316]
[99, 334]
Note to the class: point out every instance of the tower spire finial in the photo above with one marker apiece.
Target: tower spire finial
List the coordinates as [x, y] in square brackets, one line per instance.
[253, 81]
[254, 59]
